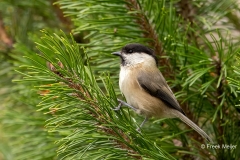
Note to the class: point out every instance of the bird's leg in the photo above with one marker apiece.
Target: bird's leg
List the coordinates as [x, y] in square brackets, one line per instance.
[123, 103]
[145, 120]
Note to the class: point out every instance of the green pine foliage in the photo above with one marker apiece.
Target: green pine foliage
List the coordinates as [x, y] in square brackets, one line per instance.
[82, 112]
[60, 104]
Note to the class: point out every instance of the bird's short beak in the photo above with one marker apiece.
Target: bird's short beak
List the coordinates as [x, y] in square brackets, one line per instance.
[117, 53]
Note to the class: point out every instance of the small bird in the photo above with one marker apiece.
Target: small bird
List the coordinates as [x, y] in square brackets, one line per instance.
[145, 88]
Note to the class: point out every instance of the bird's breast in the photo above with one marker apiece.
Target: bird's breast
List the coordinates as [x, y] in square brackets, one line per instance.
[128, 81]
[136, 96]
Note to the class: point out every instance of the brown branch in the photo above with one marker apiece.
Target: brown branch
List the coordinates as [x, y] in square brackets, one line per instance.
[150, 33]
[67, 23]
[219, 94]
[4, 36]
[188, 12]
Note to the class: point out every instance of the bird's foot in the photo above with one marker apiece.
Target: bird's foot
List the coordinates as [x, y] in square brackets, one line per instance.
[121, 103]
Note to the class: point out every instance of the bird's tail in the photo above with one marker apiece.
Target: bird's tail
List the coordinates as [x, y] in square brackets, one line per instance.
[192, 125]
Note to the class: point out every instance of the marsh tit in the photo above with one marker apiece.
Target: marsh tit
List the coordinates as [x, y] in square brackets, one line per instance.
[145, 88]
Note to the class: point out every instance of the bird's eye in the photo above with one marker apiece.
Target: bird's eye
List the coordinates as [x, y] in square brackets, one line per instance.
[130, 51]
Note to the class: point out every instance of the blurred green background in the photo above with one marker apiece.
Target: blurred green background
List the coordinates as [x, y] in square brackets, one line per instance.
[198, 46]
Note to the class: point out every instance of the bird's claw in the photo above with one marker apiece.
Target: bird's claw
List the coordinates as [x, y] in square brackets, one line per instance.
[119, 105]
[138, 130]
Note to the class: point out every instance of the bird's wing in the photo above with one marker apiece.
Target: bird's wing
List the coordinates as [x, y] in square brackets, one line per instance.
[156, 85]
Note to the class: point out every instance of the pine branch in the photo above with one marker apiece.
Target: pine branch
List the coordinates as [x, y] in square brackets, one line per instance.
[96, 20]
[85, 109]
[138, 15]
[189, 14]
[76, 101]
[148, 30]
[84, 95]
[218, 73]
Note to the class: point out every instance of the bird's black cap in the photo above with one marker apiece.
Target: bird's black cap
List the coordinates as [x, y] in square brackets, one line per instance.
[136, 48]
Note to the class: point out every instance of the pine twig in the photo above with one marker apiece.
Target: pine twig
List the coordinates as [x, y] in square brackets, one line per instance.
[150, 33]
[85, 96]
